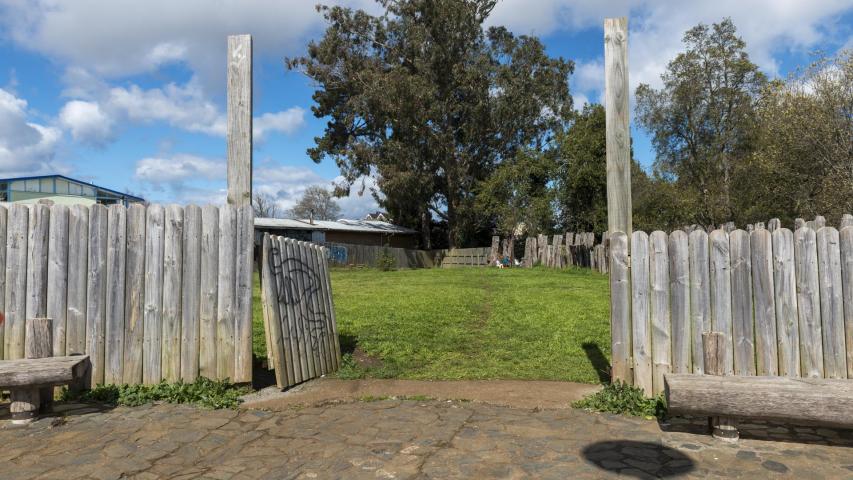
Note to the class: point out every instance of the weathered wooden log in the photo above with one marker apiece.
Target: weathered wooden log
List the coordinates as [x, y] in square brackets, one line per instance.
[24, 405]
[39, 344]
[714, 353]
[813, 400]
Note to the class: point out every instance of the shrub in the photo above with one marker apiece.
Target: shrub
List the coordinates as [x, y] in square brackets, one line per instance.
[623, 399]
[350, 369]
[203, 392]
[386, 261]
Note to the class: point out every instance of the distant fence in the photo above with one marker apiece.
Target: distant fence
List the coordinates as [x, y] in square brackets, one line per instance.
[783, 299]
[567, 250]
[149, 293]
[299, 315]
[342, 254]
[462, 257]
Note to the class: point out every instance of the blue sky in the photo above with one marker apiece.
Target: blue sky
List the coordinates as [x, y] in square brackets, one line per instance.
[130, 95]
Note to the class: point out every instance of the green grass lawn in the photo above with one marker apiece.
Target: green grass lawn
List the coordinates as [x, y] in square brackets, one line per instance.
[471, 323]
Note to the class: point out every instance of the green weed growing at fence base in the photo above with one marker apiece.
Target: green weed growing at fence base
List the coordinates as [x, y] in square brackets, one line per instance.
[623, 399]
[203, 392]
[386, 261]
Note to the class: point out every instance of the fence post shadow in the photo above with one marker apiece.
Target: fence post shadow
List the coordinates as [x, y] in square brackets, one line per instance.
[598, 360]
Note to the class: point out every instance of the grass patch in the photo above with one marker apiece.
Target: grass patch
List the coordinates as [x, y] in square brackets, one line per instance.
[475, 323]
[203, 392]
[623, 399]
[469, 323]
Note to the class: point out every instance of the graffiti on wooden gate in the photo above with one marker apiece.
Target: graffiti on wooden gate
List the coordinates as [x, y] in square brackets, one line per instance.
[298, 291]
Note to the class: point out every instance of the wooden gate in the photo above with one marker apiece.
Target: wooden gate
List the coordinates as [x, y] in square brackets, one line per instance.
[299, 317]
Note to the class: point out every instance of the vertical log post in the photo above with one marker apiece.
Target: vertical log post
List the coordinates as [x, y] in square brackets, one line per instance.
[618, 148]
[616, 92]
[239, 138]
[26, 402]
[714, 346]
[239, 120]
[38, 343]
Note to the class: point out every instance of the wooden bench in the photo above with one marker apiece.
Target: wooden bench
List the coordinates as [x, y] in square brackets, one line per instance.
[821, 401]
[790, 400]
[30, 380]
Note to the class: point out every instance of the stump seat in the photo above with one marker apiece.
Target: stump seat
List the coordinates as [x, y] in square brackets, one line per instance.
[27, 379]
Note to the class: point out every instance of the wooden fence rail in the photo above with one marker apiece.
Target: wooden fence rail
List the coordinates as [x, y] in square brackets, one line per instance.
[783, 301]
[463, 257]
[149, 293]
[299, 316]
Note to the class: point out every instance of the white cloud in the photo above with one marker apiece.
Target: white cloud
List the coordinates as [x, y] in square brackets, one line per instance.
[182, 106]
[360, 200]
[86, 121]
[287, 122]
[177, 169]
[769, 27]
[184, 179]
[118, 38]
[287, 184]
[26, 148]
[185, 107]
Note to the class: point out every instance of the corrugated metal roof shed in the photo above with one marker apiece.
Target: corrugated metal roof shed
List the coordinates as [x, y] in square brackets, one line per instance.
[343, 225]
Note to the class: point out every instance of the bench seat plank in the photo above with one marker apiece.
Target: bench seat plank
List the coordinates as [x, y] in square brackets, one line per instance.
[816, 400]
[42, 371]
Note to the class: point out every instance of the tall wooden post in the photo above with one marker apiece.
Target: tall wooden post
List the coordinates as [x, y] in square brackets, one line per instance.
[240, 120]
[618, 191]
[616, 92]
[240, 198]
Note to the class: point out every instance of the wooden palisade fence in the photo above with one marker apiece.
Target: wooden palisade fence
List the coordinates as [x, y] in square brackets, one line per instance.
[783, 300]
[568, 250]
[299, 315]
[343, 254]
[149, 293]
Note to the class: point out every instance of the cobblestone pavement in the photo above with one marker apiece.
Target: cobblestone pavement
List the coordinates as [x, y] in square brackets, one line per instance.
[401, 439]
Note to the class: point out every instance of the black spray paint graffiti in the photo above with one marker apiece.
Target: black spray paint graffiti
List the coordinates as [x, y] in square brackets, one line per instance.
[299, 291]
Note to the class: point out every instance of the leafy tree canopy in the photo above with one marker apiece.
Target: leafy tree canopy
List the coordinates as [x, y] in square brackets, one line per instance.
[430, 102]
[316, 203]
[703, 120]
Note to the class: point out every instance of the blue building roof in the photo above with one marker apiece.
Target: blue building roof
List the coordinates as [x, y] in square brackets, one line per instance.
[81, 182]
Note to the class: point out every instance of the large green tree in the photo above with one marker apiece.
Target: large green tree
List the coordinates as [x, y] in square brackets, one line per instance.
[703, 119]
[580, 182]
[803, 161]
[518, 195]
[430, 102]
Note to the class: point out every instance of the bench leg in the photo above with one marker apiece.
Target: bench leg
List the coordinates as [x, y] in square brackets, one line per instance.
[724, 428]
[24, 406]
[46, 400]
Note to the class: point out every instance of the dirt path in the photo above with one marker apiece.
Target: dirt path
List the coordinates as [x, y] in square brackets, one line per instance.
[509, 393]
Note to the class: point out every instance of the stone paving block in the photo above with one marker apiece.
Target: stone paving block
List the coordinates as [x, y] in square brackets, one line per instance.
[399, 439]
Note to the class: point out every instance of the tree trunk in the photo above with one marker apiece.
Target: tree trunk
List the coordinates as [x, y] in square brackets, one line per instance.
[450, 196]
[426, 226]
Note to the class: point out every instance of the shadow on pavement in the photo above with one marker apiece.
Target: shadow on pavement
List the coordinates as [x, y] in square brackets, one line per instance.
[802, 432]
[638, 459]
